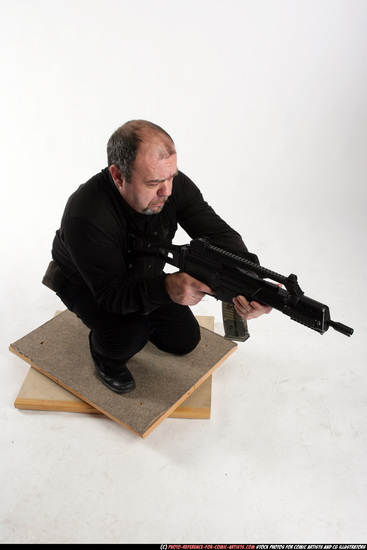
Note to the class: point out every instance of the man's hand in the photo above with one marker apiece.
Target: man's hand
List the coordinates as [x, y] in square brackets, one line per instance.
[249, 310]
[185, 290]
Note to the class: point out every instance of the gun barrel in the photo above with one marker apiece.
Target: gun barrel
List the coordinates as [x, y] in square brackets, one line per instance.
[339, 327]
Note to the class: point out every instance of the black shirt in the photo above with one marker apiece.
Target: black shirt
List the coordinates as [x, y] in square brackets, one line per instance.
[92, 246]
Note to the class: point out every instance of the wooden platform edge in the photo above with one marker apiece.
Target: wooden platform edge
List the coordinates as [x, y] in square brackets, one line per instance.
[158, 421]
[201, 413]
[50, 405]
[201, 409]
[28, 360]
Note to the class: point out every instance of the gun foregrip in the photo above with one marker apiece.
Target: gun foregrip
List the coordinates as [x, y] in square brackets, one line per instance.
[306, 319]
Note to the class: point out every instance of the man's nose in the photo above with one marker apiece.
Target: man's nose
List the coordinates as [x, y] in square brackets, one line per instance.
[165, 189]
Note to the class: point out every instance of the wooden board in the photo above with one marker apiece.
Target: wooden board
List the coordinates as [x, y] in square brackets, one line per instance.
[39, 392]
[60, 350]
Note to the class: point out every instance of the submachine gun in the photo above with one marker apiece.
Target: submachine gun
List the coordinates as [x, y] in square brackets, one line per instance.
[230, 275]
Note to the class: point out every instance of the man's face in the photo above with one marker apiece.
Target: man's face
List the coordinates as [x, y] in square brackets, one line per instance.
[151, 181]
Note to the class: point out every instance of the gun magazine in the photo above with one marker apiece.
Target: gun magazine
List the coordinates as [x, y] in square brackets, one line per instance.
[235, 328]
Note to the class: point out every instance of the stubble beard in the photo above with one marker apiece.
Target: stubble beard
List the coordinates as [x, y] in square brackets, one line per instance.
[148, 212]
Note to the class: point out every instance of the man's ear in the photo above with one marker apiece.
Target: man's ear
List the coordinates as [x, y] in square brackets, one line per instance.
[117, 177]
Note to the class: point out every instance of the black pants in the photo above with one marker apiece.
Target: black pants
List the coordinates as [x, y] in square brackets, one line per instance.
[115, 338]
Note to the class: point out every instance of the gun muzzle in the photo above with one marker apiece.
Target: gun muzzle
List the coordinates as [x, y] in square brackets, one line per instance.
[339, 327]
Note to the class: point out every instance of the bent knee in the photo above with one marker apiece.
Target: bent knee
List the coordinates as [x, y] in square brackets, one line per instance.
[188, 340]
[186, 343]
[187, 347]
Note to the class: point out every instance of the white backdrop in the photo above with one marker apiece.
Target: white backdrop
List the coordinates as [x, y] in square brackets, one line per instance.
[266, 102]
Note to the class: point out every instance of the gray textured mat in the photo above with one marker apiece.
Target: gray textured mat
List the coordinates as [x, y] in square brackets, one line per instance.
[60, 350]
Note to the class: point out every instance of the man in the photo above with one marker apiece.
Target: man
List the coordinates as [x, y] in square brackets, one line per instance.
[126, 299]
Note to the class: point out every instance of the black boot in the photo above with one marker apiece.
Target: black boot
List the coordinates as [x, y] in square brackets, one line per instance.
[118, 380]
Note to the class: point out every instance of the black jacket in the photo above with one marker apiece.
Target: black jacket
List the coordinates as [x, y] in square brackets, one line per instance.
[93, 245]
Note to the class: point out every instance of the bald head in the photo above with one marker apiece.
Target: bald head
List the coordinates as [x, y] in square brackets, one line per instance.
[137, 137]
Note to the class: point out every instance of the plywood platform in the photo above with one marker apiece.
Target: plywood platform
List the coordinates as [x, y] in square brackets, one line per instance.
[40, 393]
[59, 349]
